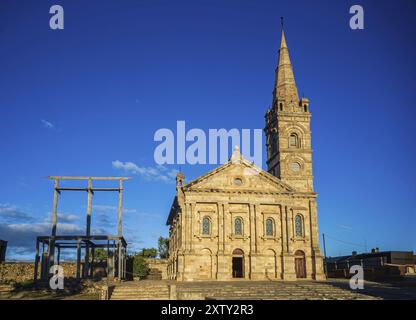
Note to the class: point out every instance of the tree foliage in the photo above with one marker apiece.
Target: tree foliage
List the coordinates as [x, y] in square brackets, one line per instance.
[140, 266]
[163, 247]
[148, 252]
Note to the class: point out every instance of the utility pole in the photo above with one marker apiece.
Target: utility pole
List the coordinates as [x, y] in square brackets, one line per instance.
[323, 238]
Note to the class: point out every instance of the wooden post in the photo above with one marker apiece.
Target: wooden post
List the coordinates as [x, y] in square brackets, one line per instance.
[54, 209]
[120, 210]
[92, 261]
[59, 254]
[114, 259]
[108, 258]
[120, 229]
[54, 222]
[87, 251]
[78, 259]
[35, 275]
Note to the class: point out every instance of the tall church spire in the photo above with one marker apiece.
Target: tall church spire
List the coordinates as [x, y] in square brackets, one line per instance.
[289, 152]
[285, 86]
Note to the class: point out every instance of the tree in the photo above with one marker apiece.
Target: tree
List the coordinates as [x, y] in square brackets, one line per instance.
[148, 252]
[163, 247]
[140, 266]
[100, 254]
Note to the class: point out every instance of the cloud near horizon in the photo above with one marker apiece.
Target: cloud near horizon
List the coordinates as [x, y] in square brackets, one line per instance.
[20, 228]
[10, 214]
[158, 173]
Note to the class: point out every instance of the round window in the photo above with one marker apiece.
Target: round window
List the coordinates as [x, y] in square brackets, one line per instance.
[295, 166]
[238, 181]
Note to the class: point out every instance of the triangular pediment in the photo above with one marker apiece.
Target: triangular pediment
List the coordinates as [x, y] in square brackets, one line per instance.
[239, 175]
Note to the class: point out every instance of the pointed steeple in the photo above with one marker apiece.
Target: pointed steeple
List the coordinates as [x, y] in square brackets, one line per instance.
[285, 89]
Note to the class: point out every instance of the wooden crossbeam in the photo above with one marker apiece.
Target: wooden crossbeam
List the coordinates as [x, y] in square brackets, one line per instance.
[87, 189]
[86, 178]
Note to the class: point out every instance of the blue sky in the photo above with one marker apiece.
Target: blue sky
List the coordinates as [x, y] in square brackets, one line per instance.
[73, 101]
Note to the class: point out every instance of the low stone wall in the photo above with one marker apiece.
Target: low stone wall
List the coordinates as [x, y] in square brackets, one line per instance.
[23, 271]
[159, 264]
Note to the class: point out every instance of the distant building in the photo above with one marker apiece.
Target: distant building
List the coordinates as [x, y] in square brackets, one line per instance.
[403, 260]
[3, 246]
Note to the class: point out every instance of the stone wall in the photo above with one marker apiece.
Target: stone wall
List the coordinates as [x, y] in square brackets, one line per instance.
[23, 271]
[159, 264]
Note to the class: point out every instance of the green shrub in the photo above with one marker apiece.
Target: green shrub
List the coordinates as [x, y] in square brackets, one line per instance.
[140, 266]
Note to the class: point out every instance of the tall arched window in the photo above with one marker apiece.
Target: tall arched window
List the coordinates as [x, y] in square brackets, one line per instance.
[269, 227]
[206, 225]
[238, 227]
[293, 140]
[298, 226]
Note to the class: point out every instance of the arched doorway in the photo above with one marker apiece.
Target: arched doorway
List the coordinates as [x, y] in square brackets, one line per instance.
[300, 264]
[238, 263]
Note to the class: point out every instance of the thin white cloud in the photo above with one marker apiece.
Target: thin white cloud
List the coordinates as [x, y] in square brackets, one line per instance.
[342, 226]
[63, 217]
[158, 173]
[106, 208]
[47, 124]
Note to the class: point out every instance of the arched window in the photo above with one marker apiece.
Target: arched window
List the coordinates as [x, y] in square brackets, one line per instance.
[293, 140]
[269, 227]
[206, 225]
[238, 227]
[298, 226]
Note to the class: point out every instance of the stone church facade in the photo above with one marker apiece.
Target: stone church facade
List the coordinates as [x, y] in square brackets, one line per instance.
[240, 222]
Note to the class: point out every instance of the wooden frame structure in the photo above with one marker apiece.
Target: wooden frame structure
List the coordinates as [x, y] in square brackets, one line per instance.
[116, 245]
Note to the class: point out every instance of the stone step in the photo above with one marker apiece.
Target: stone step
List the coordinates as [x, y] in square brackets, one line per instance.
[154, 290]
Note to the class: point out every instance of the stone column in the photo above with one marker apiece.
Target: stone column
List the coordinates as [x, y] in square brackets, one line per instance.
[316, 255]
[288, 257]
[257, 231]
[252, 235]
[284, 238]
[223, 261]
[182, 217]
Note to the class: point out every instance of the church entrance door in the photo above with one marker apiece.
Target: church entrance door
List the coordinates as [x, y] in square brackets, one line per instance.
[300, 264]
[238, 263]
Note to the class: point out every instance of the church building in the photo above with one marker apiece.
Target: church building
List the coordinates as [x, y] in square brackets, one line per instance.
[241, 222]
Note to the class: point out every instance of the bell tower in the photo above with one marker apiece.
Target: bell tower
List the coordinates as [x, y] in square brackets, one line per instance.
[288, 133]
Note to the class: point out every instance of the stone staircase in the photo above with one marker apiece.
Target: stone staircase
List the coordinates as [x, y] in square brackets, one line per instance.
[141, 290]
[233, 290]
[6, 290]
[261, 290]
[154, 274]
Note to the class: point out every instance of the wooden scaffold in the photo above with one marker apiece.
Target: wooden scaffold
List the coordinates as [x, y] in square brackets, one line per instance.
[47, 246]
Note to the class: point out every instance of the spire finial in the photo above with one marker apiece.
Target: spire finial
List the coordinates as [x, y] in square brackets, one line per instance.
[281, 22]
